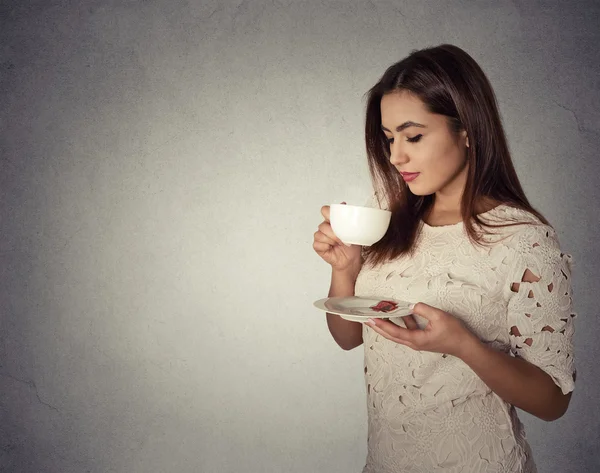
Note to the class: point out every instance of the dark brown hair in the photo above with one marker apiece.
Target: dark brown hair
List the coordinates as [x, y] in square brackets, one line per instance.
[449, 82]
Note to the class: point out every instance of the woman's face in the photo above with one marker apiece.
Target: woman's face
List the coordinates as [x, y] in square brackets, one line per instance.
[422, 143]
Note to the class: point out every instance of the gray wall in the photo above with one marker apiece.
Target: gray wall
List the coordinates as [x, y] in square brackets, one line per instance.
[163, 166]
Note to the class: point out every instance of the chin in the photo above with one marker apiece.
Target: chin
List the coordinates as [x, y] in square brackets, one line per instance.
[418, 190]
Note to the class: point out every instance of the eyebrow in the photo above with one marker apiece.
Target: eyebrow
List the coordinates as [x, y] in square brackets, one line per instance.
[404, 126]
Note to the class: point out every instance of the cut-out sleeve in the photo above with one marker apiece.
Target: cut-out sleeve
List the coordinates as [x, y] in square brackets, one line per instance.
[540, 313]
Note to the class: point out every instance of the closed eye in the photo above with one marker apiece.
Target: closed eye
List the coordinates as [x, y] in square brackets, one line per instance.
[413, 139]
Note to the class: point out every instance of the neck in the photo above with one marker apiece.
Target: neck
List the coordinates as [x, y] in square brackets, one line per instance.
[447, 203]
[448, 199]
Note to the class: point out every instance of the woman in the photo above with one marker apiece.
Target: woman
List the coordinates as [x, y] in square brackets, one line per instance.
[490, 285]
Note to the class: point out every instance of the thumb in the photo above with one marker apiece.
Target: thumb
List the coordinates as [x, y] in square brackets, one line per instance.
[425, 310]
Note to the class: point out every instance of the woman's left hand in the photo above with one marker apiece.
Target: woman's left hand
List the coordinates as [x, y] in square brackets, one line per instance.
[444, 333]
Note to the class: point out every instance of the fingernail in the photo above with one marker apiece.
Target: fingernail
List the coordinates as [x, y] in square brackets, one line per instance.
[349, 246]
[411, 307]
[370, 322]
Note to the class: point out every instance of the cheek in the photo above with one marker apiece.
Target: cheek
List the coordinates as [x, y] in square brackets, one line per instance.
[446, 157]
[436, 156]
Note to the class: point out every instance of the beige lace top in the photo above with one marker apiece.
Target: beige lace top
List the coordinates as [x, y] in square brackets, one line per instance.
[430, 412]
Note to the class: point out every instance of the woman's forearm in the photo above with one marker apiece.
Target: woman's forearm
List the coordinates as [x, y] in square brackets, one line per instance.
[516, 381]
[347, 334]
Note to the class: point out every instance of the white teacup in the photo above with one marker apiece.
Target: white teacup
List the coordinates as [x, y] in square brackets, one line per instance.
[357, 225]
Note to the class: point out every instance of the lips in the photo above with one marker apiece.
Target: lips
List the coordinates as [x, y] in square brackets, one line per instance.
[409, 176]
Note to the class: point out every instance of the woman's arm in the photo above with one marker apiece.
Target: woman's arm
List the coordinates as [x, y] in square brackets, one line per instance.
[346, 262]
[347, 334]
[539, 320]
[515, 380]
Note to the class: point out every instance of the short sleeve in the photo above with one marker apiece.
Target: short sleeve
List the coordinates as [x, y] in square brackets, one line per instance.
[540, 315]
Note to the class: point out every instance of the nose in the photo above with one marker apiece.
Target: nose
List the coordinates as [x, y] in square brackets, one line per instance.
[397, 154]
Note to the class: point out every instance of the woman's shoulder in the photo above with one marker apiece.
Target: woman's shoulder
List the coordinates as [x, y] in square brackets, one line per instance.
[520, 228]
[526, 242]
[503, 211]
[509, 215]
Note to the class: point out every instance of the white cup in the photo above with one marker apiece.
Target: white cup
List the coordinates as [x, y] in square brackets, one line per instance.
[356, 225]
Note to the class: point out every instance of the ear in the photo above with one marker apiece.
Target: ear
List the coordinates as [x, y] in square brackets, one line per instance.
[464, 134]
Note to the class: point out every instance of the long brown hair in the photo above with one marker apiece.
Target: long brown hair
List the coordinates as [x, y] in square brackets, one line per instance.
[449, 82]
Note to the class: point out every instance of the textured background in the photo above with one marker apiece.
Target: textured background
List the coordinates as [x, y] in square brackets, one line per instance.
[163, 166]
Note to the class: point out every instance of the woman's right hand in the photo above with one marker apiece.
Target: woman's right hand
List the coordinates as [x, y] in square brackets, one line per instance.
[329, 247]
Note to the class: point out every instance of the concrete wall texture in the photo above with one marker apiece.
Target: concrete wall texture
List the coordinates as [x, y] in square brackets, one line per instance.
[163, 167]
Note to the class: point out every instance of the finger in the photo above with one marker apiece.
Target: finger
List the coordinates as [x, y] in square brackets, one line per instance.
[385, 334]
[325, 211]
[325, 228]
[410, 322]
[330, 240]
[323, 238]
[426, 311]
[415, 337]
[386, 326]
[321, 248]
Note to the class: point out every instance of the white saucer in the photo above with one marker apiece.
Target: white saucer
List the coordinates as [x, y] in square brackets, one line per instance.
[359, 309]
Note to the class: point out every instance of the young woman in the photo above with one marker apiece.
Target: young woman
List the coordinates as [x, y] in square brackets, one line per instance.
[483, 268]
